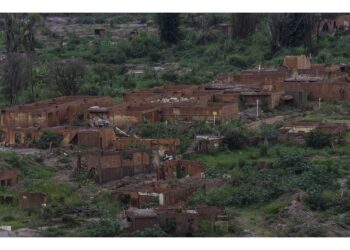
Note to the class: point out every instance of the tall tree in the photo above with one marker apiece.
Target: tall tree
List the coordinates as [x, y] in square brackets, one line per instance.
[16, 75]
[169, 27]
[20, 53]
[67, 75]
[243, 24]
[292, 30]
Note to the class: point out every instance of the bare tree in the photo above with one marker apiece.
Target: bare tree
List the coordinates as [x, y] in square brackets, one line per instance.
[244, 24]
[16, 75]
[20, 53]
[67, 75]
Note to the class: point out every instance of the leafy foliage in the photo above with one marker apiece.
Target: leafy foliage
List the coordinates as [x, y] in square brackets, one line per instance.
[318, 139]
[102, 228]
[49, 138]
[150, 232]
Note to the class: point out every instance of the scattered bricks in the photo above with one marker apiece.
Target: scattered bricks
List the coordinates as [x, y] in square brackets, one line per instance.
[8, 177]
[32, 200]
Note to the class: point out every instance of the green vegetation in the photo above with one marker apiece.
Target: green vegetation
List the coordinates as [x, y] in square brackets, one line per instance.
[200, 52]
[49, 139]
[318, 139]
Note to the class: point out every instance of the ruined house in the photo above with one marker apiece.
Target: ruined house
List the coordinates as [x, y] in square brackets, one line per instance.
[54, 112]
[174, 221]
[140, 219]
[165, 146]
[180, 168]
[333, 24]
[163, 193]
[32, 200]
[113, 165]
[8, 177]
[103, 138]
[23, 125]
[296, 131]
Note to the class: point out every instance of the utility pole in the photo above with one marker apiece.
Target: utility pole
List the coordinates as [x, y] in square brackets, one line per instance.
[319, 103]
[214, 114]
[257, 108]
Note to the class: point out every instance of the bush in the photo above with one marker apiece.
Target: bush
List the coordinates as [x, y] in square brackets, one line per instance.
[264, 147]
[268, 131]
[292, 161]
[169, 76]
[238, 61]
[150, 232]
[49, 138]
[297, 227]
[102, 228]
[323, 200]
[235, 135]
[318, 139]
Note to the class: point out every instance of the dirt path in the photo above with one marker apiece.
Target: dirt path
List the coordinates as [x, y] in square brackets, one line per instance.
[271, 120]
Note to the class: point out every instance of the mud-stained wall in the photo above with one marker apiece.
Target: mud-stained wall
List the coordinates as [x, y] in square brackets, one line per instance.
[8, 177]
[324, 90]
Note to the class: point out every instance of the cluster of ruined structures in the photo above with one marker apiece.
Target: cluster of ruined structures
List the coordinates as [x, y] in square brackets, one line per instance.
[100, 125]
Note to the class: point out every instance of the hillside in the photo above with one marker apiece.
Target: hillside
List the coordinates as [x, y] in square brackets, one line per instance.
[128, 54]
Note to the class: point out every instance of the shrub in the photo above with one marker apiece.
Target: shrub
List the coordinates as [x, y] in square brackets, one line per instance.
[292, 161]
[169, 76]
[49, 138]
[274, 208]
[102, 228]
[318, 139]
[264, 147]
[235, 135]
[238, 61]
[323, 200]
[150, 232]
[268, 131]
[297, 227]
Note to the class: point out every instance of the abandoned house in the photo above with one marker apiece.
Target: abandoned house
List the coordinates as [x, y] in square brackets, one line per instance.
[32, 200]
[296, 131]
[140, 219]
[175, 221]
[180, 168]
[113, 165]
[8, 177]
[163, 193]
